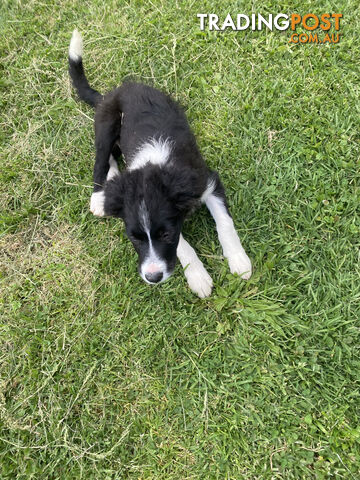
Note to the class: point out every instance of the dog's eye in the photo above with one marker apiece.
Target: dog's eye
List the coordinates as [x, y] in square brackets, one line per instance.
[140, 236]
[164, 235]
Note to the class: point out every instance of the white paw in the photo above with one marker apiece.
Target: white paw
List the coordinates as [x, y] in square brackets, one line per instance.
[114, 169]
[240, 263]
[97, 204]
[198, 279]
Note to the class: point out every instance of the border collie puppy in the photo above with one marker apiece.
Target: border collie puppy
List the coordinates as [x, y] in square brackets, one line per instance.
[165, 178]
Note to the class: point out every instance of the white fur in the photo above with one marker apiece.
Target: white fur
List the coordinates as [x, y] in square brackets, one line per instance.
[209, 190]
[198, 278]
[76, 46]
[144, 216]
[152, 263]
[239, 262]
[114, 169]
[154, 151]
[97, 203]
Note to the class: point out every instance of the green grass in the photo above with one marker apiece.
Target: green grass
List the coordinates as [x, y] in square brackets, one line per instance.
[104, 377]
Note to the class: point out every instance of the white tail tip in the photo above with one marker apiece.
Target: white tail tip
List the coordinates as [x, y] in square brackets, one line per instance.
[76, 46]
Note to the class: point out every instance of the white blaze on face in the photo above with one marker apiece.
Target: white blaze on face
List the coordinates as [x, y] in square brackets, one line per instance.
[152, 268]
[153, 263]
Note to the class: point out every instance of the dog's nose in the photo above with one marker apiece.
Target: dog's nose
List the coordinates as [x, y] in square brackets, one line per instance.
[154, 277]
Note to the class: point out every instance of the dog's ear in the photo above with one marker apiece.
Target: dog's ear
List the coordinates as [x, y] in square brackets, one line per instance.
[114, 196]
[183, 187]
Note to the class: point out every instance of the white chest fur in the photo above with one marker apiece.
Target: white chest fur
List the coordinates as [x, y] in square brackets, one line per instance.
[155, 151]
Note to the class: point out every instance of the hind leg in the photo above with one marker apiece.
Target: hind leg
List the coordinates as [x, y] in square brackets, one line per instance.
[114, 169]
[107, 131]
[215, 200]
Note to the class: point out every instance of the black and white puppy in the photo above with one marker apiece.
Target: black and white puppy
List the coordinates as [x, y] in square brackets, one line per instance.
[164, 179]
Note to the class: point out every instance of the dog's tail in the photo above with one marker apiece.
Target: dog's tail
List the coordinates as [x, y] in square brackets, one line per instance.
[77, 74]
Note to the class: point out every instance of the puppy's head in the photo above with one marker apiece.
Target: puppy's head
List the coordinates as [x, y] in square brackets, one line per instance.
[153, 202]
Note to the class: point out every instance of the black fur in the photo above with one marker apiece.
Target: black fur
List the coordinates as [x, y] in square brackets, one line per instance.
[86, 93]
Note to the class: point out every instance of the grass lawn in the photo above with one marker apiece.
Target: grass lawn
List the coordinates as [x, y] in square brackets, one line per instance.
[104, 377]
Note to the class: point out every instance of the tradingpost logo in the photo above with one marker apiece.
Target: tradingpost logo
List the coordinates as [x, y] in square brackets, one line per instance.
[320, 29]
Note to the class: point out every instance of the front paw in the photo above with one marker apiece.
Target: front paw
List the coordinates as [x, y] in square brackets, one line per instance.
[198, 279]
[240, 263]
[97, 202]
